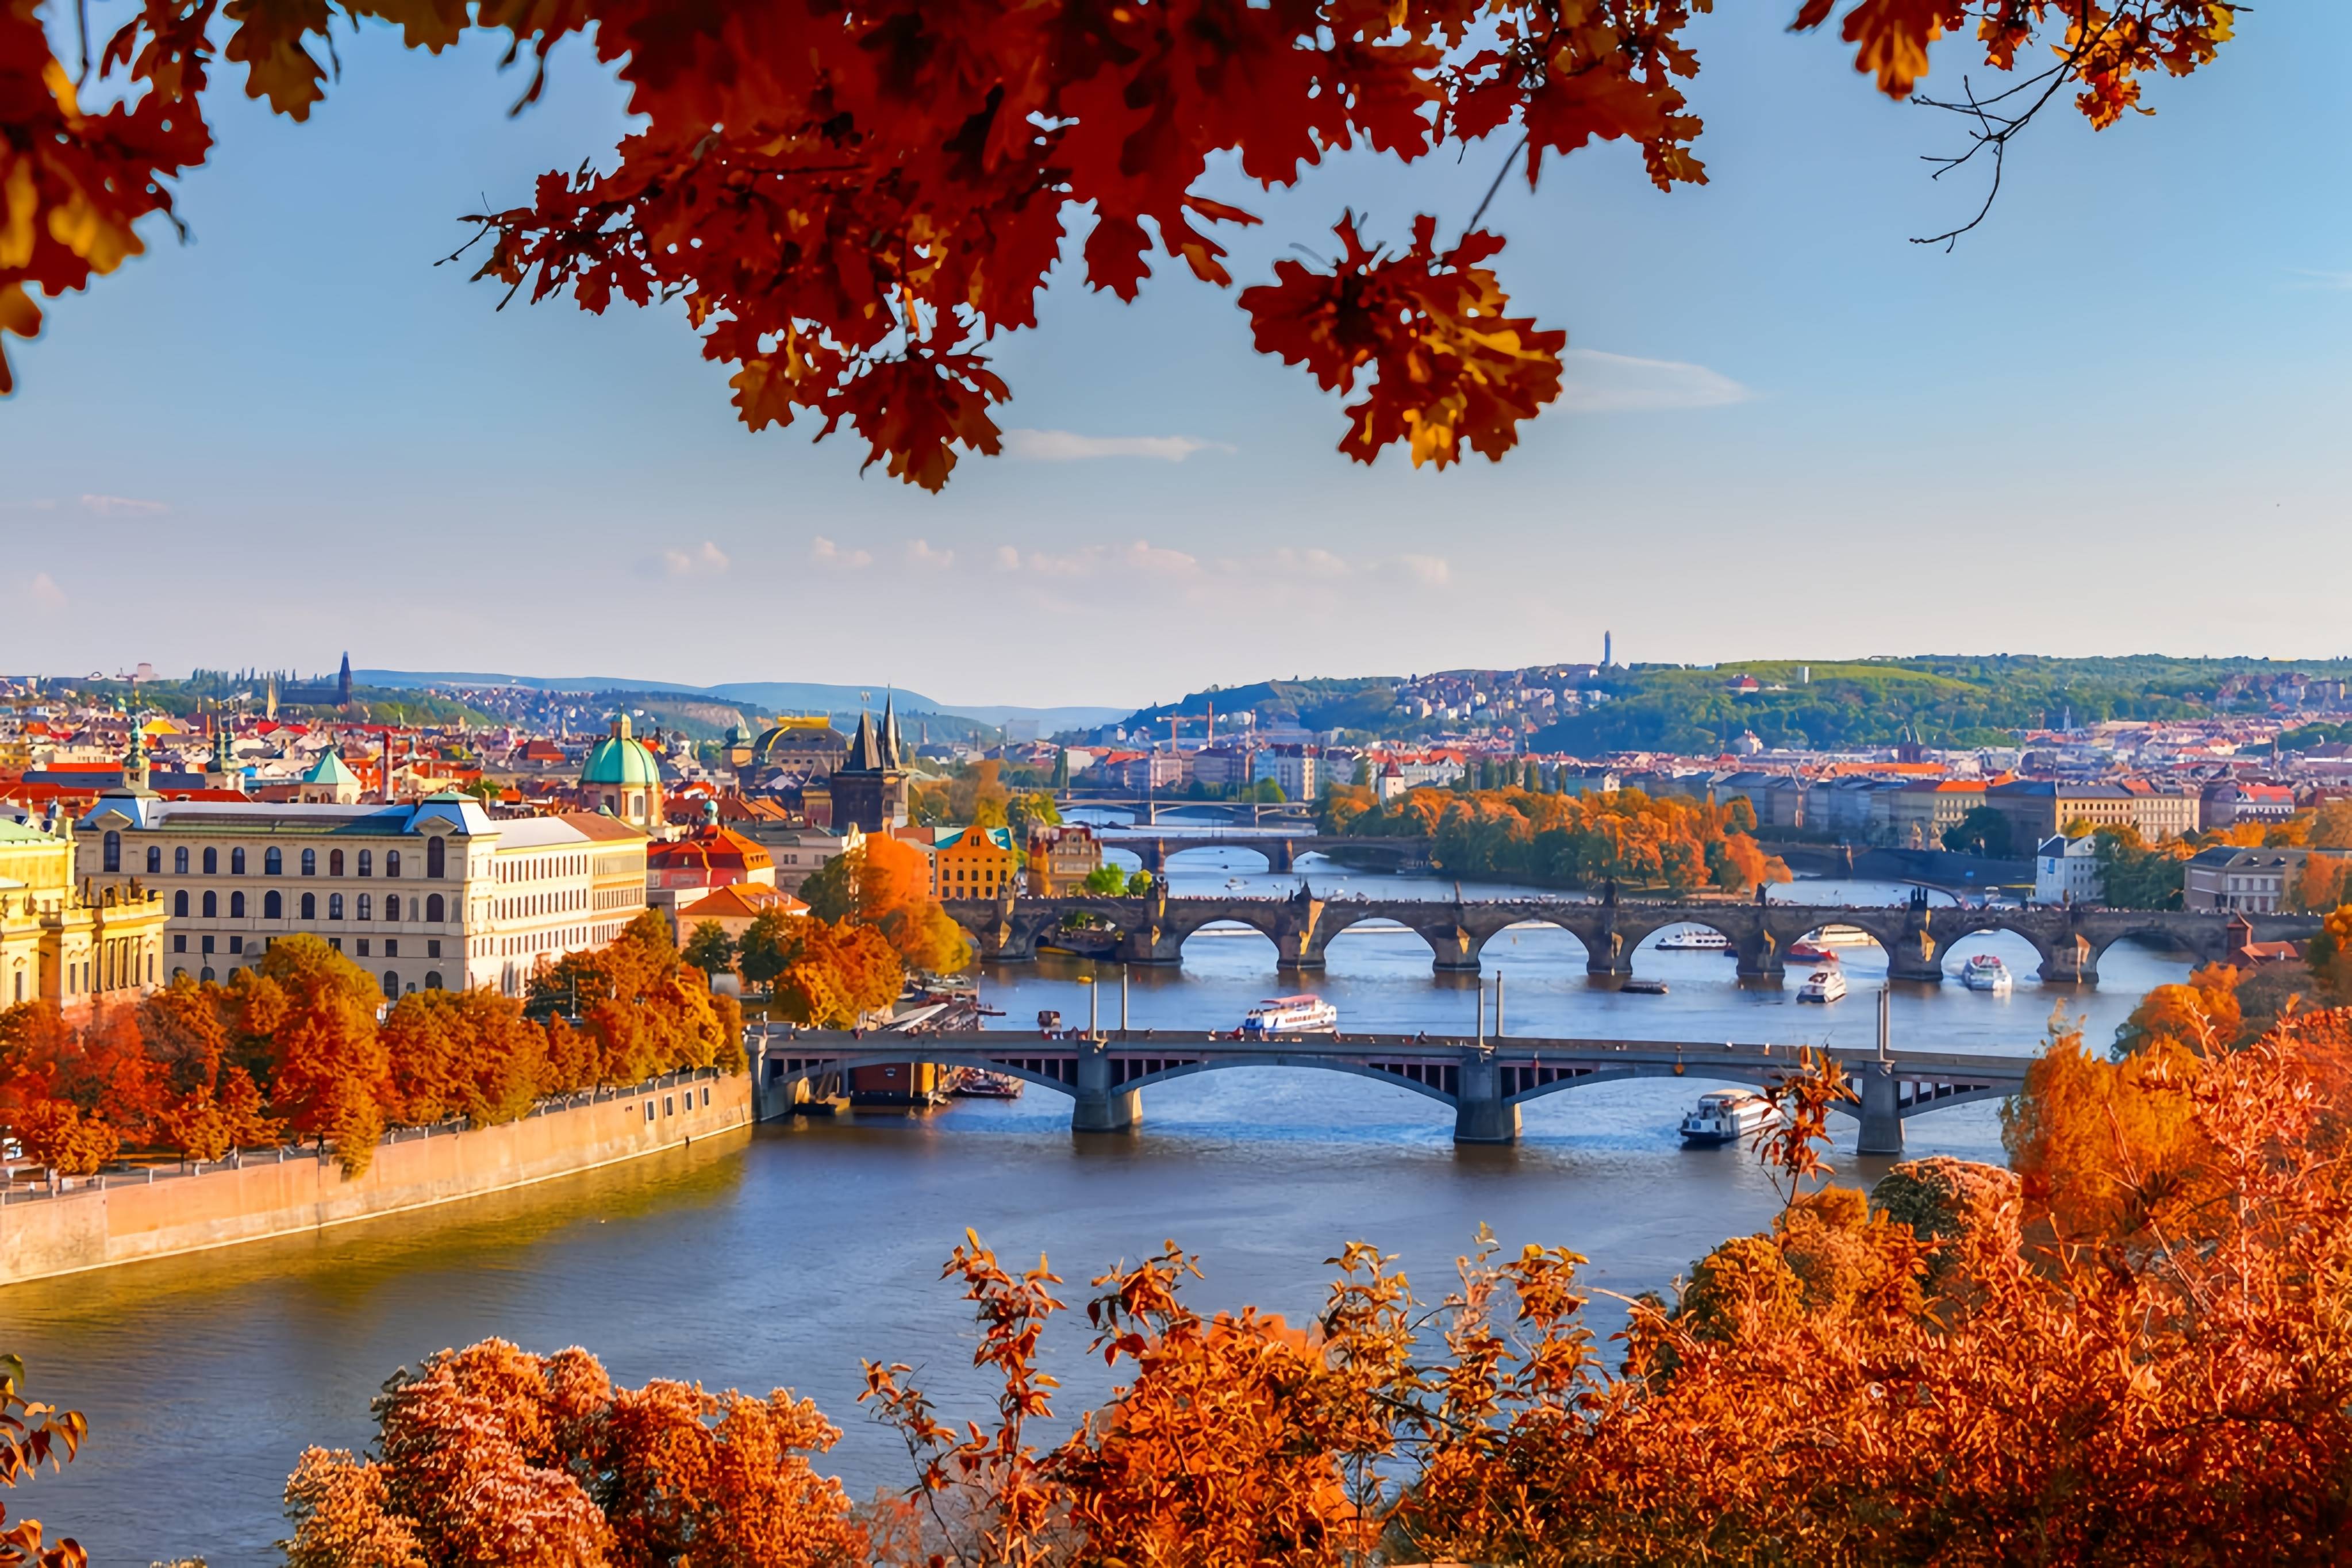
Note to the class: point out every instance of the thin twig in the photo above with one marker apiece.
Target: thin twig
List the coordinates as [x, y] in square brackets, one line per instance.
[1500, 174]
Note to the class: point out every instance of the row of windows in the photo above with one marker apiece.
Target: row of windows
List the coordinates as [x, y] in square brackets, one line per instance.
[208, 943]
[273, 860]
[542, 904]
[540, 868]
[391, 980]
[432, 909]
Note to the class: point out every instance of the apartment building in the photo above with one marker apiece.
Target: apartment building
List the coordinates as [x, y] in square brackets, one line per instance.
[431, 895]
[2039, 808]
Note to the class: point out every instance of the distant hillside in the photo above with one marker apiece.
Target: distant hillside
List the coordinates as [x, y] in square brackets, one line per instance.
[1364, 702]
[767, 696]
[1941, 701]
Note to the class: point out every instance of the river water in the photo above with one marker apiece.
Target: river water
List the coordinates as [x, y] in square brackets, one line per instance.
[783, 1257]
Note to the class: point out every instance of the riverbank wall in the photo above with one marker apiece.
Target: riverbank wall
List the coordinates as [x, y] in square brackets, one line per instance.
[100, 1221]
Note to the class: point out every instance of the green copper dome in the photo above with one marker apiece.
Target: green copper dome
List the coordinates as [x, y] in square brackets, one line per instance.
[621, 760]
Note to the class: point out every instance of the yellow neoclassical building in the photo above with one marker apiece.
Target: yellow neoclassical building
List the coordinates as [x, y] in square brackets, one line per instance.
[66, 941]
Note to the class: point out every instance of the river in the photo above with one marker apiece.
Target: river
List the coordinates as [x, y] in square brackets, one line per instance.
[786, 1257]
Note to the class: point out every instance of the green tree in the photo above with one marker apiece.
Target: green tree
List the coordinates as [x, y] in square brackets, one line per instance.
[771, 944]
[1107, 881]
[2133, 875]
[1061, 770]
[1138, 885]
[1035, 809]
[710, 948]
[831, 892]
[1983, 831]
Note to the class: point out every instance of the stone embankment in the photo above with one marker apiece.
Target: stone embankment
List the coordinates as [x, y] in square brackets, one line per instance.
[99, 1221]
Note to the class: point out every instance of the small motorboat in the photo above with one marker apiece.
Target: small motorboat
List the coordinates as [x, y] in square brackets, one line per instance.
[1805, 950]
[1823, 986]
[1644, 987]
[1725, 1116]
[1695, 939]
[1303, 1015]
[978, 1083]
[1986, 972]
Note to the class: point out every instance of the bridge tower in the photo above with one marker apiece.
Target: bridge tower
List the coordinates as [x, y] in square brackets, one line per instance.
[1101, 1106]
[1483, 1113]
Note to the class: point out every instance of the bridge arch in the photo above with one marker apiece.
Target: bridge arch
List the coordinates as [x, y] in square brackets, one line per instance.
[1340, 920]
[931, 1049]
[1278, 1059]
[1225, 927]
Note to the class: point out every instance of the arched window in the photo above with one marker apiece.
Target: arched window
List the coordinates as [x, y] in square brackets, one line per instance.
[212, 861]
[207, 974]
[236, 861]
[310, 862]
[178, 973]
[436, 858]
[113, 850]
[392, 906]
[334, 906]
[273, 861]
[154, 860]
[334, 862]
[391, 985]
[392, 862]
[433, 907]
[367, 862]
[432, 980]
[180, 904]
[310, 906]
[236, 905]
[273, 906]
[367, 907]
[211, 904]
[180, 860]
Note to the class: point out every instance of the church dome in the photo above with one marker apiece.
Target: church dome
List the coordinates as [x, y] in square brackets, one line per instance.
[621, 760]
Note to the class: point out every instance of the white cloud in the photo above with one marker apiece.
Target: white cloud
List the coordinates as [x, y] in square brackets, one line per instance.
[2316, 278]
[113, 506]
[1007, 558]
[1068, 447]
[45, 592]
[919, 554]
[1430, 569]
[1597, 383]
[707, 560]
[1141, 557]
[825, 553]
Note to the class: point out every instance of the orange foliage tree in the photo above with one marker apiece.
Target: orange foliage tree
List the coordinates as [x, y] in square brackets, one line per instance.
[851, 202]
[836, 973]
[2330, 954]
[331, 1077]
[2203, 1016]
[891, 892]
[1581, 841]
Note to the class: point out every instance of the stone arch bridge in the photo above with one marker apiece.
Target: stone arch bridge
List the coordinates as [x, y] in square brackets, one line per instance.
[1484, 1082]
[1152, 929]
[1281, 850]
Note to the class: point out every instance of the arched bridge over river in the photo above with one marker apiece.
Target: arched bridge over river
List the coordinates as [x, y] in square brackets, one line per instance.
[1152, 929]
[1485, 1082]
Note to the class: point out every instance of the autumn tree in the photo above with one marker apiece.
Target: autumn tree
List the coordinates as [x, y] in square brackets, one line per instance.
[767, 944]
[837, 973]
[2330, 955]
[851, 223]
[2204, 1014]
[331, 1075]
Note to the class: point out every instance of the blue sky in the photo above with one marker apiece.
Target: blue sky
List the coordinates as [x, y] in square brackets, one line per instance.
[2112, 420]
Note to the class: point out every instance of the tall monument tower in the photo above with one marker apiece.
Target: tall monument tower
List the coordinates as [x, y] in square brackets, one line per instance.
[343, 684]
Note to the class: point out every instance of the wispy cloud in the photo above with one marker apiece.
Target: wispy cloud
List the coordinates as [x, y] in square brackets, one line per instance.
[1433, 570]
[919, 554]
[46, 593]
[1140, 557]
[1597, 383]
[121, 506]
[824, 551]
[2319, 277]
[705, 560]
[1069, 446]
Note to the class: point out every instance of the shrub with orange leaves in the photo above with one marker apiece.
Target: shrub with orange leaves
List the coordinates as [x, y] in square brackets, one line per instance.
[2330, 955]
[489, 1455]
[31, 1434]
[2203, 1015]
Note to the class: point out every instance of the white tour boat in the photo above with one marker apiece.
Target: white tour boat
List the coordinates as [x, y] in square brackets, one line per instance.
[1823, 986]
[1725, 1116]
[1695, 939]
[1289, 1016]
[1843, 936]
[1986, 972]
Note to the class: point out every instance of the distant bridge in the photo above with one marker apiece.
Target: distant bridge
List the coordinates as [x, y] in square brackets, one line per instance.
[1148, 808]
[1281, 849]
[1484, 1082]
[1153, 929]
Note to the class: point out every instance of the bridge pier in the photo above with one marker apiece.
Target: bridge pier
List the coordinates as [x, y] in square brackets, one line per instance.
[1916, 957]
[2073, 962]
[1099, 1107]
[1282, 854]
[1759, 956]
[1483, 1113]
[1882, 1111]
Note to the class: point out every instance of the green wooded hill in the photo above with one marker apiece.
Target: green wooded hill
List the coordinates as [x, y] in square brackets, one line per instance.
[1955, 701]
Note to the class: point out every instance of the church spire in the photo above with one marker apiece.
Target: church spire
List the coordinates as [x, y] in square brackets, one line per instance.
[893, 749]
[343, 684]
